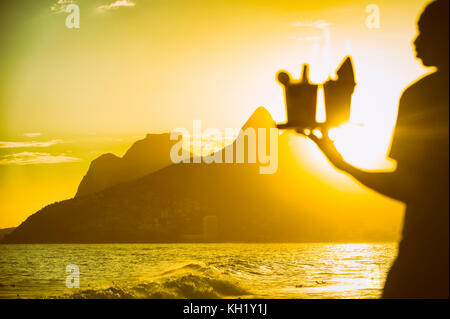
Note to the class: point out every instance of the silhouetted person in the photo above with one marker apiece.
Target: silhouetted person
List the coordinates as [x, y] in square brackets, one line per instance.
[421, 180]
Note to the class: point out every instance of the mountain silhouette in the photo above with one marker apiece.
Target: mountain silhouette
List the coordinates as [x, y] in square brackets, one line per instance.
[144, 156]
[195, 202]
[5, 231]
[260, 118]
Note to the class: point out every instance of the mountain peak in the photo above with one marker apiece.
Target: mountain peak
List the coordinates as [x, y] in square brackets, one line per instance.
[260, 118]
[143, 157]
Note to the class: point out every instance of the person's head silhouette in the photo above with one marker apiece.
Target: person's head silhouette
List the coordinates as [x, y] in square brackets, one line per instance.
[432, 40]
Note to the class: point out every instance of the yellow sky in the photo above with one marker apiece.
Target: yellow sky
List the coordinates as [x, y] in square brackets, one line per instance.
[157, 65]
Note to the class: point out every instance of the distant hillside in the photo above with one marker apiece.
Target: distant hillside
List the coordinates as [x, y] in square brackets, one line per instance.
[215, 202]
[5, 231]
[144, 157]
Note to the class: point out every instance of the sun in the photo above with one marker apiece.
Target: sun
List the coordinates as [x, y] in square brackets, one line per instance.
[363, 143]
[362, 146]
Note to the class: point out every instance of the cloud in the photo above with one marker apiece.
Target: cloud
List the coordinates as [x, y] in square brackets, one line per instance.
[319, 24]
[32, 134]
[117, 4]
[28, 144]
[322, 25]
[313, 38]
[28, 158]
[60, 6]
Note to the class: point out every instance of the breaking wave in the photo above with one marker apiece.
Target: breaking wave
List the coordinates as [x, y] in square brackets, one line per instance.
[190, 281]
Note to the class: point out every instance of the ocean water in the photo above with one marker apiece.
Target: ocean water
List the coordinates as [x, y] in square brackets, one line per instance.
[196, 270]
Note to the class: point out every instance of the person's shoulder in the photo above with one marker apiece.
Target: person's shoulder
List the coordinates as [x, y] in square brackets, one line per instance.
[424, 82]
[425, 85]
